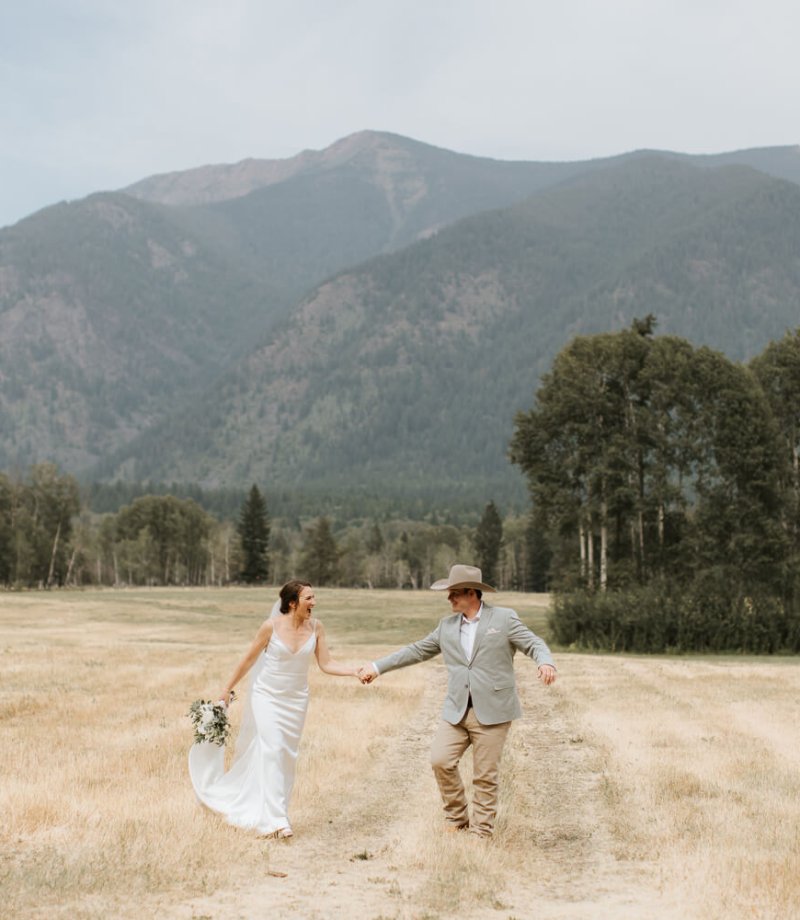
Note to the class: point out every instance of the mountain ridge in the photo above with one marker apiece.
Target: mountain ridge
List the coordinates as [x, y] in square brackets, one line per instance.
[132, 331]
[399, 355]
[193, 186]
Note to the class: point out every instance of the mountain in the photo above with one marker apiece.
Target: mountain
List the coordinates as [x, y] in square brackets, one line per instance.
[348, 317]
[120, 307]
[402, 377]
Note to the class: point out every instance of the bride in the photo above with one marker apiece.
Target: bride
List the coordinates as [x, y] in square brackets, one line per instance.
[255, 791]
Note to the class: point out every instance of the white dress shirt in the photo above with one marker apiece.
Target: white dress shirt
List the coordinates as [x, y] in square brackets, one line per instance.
[468, 629]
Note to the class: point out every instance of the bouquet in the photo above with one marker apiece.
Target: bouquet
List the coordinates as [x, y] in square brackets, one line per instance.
[210, 721]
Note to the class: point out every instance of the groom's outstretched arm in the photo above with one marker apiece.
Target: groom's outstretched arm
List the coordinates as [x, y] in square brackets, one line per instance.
[533, 646]
[411, 654]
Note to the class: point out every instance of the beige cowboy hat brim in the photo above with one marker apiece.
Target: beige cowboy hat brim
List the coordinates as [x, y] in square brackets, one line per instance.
[462, 576]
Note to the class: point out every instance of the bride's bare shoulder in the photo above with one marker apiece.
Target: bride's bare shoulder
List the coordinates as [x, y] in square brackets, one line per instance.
[266, 627]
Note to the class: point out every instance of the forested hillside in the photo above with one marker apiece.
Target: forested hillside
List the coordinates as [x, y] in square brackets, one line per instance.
[108, 312]
[210, 325]
[115, 309]
[403, 377]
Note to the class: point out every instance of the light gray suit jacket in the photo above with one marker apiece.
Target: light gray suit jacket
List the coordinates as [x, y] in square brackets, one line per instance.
[488, 677]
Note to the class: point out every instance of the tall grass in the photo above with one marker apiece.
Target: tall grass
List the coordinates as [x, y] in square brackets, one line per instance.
[701, 759]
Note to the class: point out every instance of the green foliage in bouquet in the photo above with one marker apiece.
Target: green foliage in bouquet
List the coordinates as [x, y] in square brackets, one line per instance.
[210, 721]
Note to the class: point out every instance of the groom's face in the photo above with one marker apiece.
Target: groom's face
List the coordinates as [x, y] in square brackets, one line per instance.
[461, 600]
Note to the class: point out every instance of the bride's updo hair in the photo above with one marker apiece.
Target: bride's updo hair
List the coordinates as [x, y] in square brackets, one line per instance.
[290, 593]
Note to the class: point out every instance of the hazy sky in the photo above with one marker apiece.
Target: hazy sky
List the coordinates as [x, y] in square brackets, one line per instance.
[95, 94]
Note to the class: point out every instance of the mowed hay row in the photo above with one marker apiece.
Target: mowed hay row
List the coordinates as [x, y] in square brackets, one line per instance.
[347, 730]
[702, 759]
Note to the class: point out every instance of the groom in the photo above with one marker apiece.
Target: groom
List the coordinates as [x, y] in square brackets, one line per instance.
[478, 643]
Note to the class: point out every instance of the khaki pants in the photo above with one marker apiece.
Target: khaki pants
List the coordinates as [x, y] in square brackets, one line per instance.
[449, 744]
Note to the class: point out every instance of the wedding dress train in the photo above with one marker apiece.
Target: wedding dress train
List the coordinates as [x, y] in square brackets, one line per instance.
[255, 791]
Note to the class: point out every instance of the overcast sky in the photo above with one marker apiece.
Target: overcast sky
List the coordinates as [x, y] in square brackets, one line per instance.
[95, 94]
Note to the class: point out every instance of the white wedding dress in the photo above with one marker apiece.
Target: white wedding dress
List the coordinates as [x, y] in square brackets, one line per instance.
[255, 792]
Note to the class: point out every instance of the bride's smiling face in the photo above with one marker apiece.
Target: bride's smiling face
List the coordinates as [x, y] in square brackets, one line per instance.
[305, 603]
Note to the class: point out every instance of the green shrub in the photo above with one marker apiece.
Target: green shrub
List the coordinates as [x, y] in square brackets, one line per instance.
[701, 618]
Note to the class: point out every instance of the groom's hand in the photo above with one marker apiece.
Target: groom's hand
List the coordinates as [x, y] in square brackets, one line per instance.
[367, 673]
[547, 674]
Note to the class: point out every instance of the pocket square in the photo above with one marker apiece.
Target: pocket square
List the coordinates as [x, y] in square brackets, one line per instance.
[491, 630]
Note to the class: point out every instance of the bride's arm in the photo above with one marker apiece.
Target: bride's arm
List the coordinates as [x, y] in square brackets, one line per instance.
[324, 660]
[260, 642]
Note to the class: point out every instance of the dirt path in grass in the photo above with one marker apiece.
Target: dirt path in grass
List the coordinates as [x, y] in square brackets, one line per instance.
[383, 855]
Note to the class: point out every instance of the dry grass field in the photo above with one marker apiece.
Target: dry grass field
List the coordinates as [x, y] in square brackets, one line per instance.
[634, 788]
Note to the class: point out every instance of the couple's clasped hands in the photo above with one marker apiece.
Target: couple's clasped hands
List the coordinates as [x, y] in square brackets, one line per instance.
[366, 673]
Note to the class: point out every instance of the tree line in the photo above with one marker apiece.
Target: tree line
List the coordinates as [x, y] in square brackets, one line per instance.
[49, 537]
[665, 512]
[665, 487]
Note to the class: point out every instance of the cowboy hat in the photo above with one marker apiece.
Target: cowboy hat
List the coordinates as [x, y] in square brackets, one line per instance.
[462, 576]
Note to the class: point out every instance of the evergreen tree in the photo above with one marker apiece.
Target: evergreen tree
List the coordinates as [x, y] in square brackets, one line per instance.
[6, 530]
[254, 536]
[375, 541]
[488, 542]
[320, 556]
[537, 554]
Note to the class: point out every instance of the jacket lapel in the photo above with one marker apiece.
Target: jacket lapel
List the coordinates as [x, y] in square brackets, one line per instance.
[455, 637]
[483, 625]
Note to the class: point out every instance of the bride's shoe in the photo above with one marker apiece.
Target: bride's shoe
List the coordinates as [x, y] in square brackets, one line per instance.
[285, 833]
